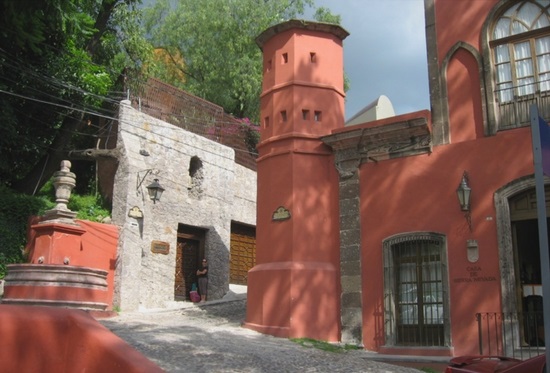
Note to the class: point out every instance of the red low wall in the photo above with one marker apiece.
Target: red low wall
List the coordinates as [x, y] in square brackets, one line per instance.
[47, 339]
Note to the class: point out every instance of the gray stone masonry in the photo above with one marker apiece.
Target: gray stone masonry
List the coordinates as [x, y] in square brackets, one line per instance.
[152, 149]
[350, 259]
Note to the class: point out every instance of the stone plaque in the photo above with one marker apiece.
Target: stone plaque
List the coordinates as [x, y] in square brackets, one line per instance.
[136, 213]
[281, 214]
[160, 247]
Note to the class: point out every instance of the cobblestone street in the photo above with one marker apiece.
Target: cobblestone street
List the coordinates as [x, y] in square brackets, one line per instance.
[209, 338]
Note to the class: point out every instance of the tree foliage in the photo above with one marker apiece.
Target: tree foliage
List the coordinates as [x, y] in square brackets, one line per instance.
[63, 64]
[15, 211]
[60, 61]
[212, 42]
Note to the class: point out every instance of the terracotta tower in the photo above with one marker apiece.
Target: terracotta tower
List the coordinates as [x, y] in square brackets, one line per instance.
[294, 290]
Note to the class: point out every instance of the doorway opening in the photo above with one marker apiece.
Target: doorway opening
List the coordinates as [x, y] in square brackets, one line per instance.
[524, 224]
[190, 251]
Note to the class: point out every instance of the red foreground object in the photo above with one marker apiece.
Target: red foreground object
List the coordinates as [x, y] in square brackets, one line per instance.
[496, 364]
[48, 339]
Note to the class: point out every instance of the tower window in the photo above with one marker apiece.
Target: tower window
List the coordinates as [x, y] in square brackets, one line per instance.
[266, 122]
[268, 65]
[305, 114]
[285, 58]
[312, 57]
[283, 116]
[317, 117]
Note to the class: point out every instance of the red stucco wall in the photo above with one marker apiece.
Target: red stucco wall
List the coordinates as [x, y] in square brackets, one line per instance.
[99, 249]
[464, 97]
[460, 21]
[418, 194]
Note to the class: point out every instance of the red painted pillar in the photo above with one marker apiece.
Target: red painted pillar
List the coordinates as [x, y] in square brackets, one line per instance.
[293, 291]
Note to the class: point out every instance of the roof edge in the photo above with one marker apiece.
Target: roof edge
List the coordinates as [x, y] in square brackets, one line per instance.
[330, 28]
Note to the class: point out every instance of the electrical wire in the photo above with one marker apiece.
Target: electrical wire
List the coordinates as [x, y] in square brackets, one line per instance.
[191, 121]
[56, 104]
[191, 118]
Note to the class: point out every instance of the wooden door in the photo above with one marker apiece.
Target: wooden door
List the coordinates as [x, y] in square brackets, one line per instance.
[187, 261]
[243, 253]
[190, 250]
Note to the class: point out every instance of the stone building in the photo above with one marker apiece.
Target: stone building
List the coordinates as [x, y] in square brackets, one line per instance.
[207, 195]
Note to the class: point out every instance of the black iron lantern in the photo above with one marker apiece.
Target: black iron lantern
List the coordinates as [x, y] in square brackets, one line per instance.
[463, 192]
[155, 190]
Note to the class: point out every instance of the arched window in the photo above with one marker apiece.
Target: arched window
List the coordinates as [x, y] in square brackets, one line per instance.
[520, 46]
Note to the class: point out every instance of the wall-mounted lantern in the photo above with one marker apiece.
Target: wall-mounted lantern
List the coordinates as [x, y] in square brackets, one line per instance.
[155, 190]
[463, 192]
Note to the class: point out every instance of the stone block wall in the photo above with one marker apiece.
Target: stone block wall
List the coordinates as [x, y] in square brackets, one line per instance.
[221, 191]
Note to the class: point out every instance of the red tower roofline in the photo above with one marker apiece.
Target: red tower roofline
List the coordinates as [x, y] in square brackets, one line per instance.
[331, 28]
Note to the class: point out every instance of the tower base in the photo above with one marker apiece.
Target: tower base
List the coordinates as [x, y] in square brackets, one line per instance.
[294, 300]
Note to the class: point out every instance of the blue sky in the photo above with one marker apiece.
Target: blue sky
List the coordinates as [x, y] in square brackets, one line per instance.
[385, 52]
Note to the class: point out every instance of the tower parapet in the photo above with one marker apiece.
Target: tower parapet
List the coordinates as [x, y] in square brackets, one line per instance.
[303, 84]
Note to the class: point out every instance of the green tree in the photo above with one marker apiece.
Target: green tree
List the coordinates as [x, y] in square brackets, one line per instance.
[212, 43]
[60, 63]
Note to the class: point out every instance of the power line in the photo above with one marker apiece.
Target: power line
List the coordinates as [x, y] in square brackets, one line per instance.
[55, 83]
[191, 121]
[113, 118]
[215, 122]
[56, 104]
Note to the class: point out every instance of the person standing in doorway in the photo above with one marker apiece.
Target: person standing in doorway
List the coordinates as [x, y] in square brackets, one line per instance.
[202, 275]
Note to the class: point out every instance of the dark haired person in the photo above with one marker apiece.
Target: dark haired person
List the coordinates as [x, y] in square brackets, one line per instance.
[202, 275]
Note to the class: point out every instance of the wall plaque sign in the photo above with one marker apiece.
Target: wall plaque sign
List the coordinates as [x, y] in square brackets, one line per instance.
[281, 214]
[476, 274]
[160, 247]
[136, 213]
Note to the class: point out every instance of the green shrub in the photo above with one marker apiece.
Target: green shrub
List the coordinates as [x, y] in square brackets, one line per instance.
[325, 346]
[15, 211]
[88, 207]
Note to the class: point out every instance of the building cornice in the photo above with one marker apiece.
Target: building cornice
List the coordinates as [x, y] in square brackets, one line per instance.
[393, 138]
[330, 28]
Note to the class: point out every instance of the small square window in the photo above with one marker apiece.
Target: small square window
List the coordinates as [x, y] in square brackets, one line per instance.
[266, 122]
[285, 58]
[317, 117]
[312, 57]
[283, 116]
[305, 114]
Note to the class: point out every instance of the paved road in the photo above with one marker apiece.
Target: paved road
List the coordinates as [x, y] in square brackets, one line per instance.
[209, 338]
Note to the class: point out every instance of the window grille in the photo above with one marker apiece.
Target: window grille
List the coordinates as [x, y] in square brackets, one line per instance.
[416, 289]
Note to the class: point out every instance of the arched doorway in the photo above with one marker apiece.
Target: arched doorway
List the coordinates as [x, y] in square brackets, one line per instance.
[525, 239]
[517, 230]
